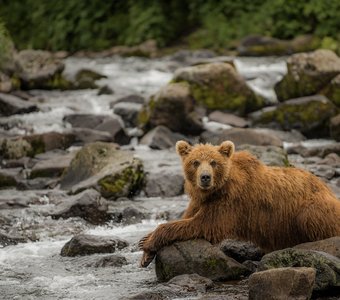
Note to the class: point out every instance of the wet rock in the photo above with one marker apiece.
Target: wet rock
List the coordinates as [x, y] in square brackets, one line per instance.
[308, 74]
[9, 177]
[38, 183]
[105, 90]
[109, 261]
[197, 256]
[256, 45]
[48, 141]
[332, 91]
[13, 202]
[172, 103]
[41, 70]
[282, 283]
[241, 251]
[191, 56]
[15, 148]
[129, 112]
[309, 115]
[128, 215]
[86, 78]
[219, 86]
[164, 175]
[241, 136]
[86, 244]
[269, 155]
[130, 98]
[330, 246]
[7, 239]
[335, 127]
[161, 137]
[327, 266]
[105, 123]
[86, 135]
[88, 205]
[52, 166]
[112, 172]
[145, 49]
[10, 105]
[228, 119]
[320, 150]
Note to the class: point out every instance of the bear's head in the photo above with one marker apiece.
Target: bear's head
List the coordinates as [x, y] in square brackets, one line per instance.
[205, 166]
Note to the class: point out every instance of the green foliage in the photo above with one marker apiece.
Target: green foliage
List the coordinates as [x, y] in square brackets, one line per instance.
[74, 25]
[6, 47]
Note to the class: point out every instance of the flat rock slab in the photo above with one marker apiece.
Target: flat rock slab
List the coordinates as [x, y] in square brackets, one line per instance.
[197, 256]
[282, 283]
[86, 244]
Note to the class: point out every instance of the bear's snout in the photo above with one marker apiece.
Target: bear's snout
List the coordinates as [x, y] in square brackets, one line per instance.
[205, 180]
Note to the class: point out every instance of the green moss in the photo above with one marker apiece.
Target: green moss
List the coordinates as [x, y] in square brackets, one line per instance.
[128, 182]
[38, 146]
[145, 113]
[212, 263]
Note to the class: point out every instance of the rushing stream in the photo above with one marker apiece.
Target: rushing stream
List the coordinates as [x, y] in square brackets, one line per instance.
[35, 270]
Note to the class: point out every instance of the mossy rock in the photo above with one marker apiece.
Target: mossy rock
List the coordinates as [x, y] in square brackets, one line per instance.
[86, 78]
[308, 74]
[327, 266]
[219, 86]
[174, 107]
[15, 148]
[332, 91]
[309, 115]
[112, 172]
[7, 64]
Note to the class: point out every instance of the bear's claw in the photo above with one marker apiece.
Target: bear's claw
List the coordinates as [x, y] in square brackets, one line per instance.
[147, 258]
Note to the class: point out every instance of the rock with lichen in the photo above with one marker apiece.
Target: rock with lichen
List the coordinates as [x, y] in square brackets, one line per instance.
[219, 86]
[309, 115]
[308, 74]
[102, 166]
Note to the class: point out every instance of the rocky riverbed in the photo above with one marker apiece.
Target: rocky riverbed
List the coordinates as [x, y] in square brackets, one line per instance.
[88, 167]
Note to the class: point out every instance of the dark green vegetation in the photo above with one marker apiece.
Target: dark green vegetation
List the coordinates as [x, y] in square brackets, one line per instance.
[73, 25]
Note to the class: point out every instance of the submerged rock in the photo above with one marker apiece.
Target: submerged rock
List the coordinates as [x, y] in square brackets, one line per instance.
[282, 283]
[174, 107]
[197, 256]
[86, 244]
[327, 266]
[219, 86]
[308, 74]
[112, 172]
[88, 205]
[10, 105]
[109, 261]
[309, 115]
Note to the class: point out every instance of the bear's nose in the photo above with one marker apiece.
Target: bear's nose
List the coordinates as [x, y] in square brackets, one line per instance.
[205, 178]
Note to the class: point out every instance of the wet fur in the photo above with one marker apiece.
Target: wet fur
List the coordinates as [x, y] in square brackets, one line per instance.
[272, 207]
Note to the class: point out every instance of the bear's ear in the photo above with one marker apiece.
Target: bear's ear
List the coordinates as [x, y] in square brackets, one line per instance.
[227, 148]
[183, 148]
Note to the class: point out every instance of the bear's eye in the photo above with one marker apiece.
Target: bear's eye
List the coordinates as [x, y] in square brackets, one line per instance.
[196, 163]
[213, 163]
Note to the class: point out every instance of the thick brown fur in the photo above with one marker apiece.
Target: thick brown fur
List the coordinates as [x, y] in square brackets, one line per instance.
[272, 207]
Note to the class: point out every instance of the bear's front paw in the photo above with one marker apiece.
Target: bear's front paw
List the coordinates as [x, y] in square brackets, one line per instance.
[147, 258]
[142, 241]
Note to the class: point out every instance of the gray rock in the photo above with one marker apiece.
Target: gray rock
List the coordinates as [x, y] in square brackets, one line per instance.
[309, 115]
[87, 135]
[197, 256]
[320, 150]
[269, 155]
[228, 119]
[330, 246]
[10, 105]
[128, 215]
[9, 177]
[86, 79]
[105, 90]
[240, 136]
[164, 175]
[109, 261]
[129, 112]
[110, 124]
[8, 240]
[88, 205]
[241, 251]
[85, 244]
[161, 137]
[327, 266]
[53, 166]
[282, 283]
[39, 183]
[130, 98]
[292, 136]
[15, 148]
[112, 172]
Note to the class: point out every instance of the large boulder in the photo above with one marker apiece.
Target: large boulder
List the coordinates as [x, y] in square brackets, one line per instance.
[40, 70]
[309, 115]
[86, 244]
[88, 205]
[174, 107]
[112, 172]
[197, 256]
[10, 105]
[241, 136]
[327, 266]
[330, 246]
[308, 74]
[282, 283]
[219, 86]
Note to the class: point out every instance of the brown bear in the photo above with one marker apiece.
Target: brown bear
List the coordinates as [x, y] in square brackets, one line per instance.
[233, 195]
